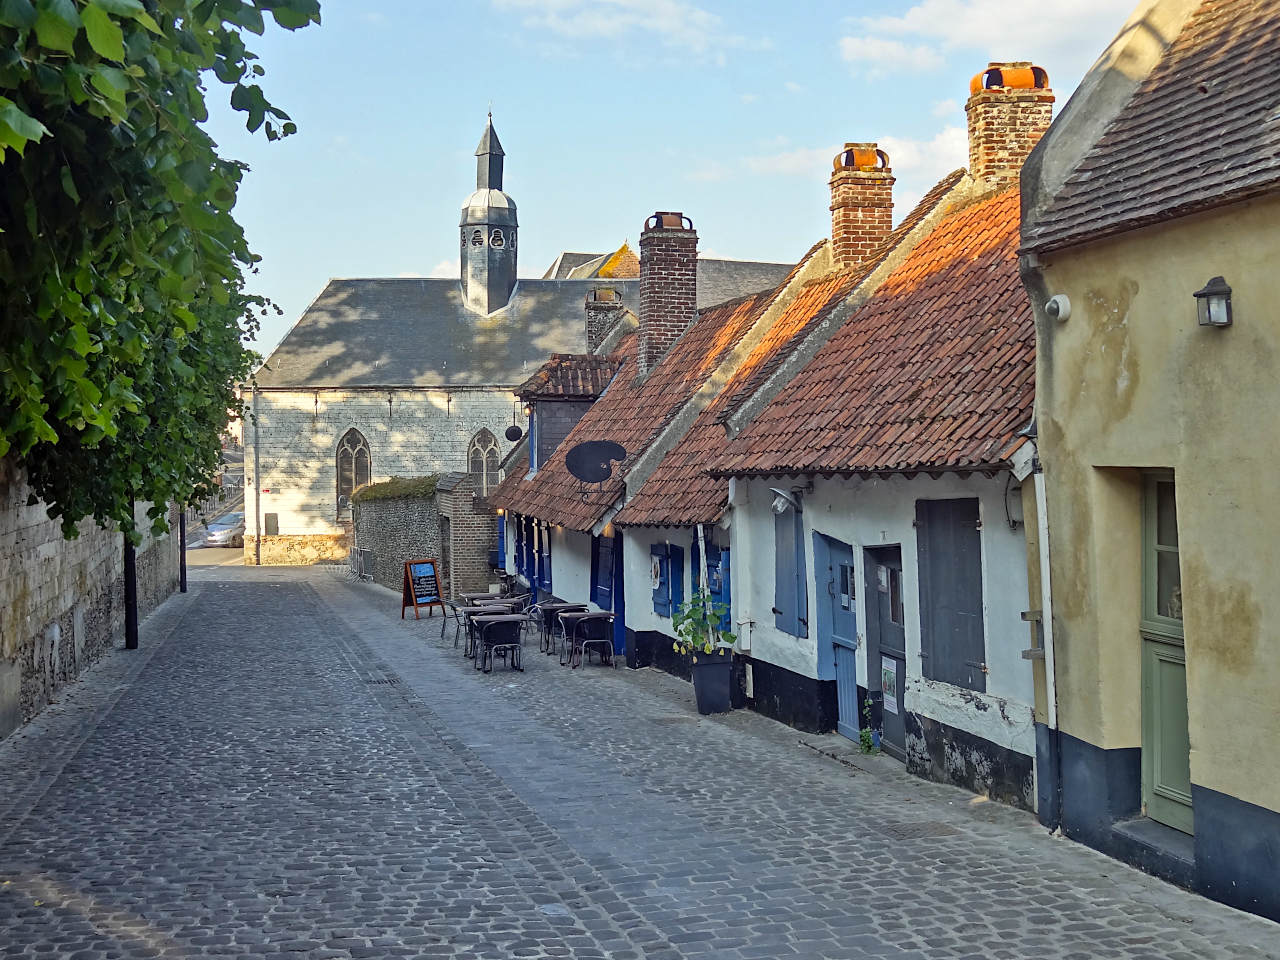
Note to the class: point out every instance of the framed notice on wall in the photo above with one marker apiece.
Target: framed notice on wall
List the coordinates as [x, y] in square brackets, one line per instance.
[421, 587]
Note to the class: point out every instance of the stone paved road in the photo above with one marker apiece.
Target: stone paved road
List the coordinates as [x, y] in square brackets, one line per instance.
[286, 769]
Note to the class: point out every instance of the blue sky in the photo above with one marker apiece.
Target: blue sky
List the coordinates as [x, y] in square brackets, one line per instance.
[609, 110]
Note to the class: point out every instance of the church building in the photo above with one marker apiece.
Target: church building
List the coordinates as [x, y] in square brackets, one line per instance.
[390, 376]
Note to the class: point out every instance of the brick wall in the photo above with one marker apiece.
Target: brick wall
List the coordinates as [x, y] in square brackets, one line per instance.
[410, 432]
[861, 203]
[471, 528]
[1005, 123]
[397, 531]
[62, 601]
[668, 284]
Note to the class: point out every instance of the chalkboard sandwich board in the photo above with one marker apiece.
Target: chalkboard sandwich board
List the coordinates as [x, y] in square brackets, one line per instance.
[421, 588]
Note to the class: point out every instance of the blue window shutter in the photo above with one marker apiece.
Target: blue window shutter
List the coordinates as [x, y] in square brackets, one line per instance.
[544, 558]
[695, 566]
[533, 442]
[502, 540]
[784, 572]
[602, 572]
[802, 585]
[661, 598]
[676, 577]
[725, 595]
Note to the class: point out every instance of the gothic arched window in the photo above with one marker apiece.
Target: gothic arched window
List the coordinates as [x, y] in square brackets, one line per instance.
[354, 467]
[482, 461]
[495, 238]
[477, 238]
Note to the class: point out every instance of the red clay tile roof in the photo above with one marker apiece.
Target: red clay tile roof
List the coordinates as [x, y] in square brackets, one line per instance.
[574, 375]
[935, 371]
[516, 468]
[679, 493]
[744, 387]
[632, 414]
[1201, 131]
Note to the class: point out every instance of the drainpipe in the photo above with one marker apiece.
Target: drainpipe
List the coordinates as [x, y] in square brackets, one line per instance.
[257, 488]
[1046, 638]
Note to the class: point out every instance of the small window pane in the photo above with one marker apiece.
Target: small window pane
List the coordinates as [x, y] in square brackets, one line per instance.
[1166, 515]
[1168, 585]
[895, 595]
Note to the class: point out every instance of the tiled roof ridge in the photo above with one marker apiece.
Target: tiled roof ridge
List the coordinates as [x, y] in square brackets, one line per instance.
[931, 209]
[934, 372]
[1211, 88]
[765, 312]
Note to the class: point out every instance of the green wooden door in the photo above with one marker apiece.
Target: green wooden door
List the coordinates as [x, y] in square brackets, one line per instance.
[1166, 745]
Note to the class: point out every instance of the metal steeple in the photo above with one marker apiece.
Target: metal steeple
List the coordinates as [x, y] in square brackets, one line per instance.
[489, 159]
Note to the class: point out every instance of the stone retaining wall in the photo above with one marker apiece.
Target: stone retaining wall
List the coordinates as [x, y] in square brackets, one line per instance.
[395, 531]
[62, 601]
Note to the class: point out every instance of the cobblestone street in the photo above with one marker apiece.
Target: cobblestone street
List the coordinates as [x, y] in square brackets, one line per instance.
[287, 769]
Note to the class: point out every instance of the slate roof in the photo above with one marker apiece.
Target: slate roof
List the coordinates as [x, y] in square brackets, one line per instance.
[571, 376]
[516, 466]
[632, 413]
[418, 332]
[935, 371]
[566, 262]
[1201, 131]
[680, 492]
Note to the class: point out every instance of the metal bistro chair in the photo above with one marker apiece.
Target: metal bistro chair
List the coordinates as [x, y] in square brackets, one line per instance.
[498, 634]
[452, 615]
[549, 623]
[586, 630]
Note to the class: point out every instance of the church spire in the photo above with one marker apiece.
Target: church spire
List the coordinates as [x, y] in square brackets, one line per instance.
[489, 159]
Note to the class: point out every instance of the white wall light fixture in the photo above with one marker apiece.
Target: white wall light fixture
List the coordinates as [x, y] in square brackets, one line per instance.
[1213, 303]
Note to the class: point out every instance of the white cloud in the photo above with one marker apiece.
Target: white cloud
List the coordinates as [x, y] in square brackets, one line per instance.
[1064, 36]
[446, 268]
[675, 22]
[876, 54]
[792, 87]
[945, 108]
[748, 97]
[928, 159]
[805, 161]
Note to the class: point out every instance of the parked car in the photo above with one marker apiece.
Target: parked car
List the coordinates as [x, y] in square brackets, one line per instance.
[226, 531]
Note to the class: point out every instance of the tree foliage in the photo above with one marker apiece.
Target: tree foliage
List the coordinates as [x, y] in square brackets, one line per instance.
[122, 303]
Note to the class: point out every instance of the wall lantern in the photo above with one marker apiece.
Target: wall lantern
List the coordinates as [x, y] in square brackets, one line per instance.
[1213, 303]
[528, 407]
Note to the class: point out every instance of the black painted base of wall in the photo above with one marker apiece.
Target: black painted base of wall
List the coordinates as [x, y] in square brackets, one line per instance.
[649, 648]
[945, 754]
[798, 701]
[1237, 849]
[1234, 856]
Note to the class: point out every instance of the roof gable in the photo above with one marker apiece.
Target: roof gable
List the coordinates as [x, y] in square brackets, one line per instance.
[936, 370]
[1202, 130]
[631, 412]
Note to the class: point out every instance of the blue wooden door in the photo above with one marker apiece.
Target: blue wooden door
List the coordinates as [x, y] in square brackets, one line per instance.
[837, 637]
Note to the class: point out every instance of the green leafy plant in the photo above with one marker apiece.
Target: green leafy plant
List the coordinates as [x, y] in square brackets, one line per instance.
[697, 628]
[123, 311]
[866, 739]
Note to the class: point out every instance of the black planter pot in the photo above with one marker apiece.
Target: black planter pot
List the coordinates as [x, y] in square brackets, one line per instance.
[713, 681]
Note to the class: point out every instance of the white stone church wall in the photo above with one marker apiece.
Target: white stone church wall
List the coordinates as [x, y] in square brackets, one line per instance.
[410, 432]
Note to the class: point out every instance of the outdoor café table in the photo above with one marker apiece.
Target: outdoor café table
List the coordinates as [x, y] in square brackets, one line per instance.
[550, 610]
[467, 613]
[484, 650]
[572, 621]
[471, 597]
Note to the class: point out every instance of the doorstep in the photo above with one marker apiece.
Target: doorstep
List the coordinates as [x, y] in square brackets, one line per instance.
[1159, 850]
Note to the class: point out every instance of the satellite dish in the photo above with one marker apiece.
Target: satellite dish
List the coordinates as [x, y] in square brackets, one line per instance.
[591, 462]
[514, 433]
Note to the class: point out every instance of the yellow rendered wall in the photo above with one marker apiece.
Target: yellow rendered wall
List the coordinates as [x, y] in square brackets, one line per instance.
[1131, 381]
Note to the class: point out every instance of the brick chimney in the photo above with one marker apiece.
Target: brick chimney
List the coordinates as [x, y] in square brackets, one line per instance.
[604, 307]
[668, 284]
[1010, 107]
[861, 203]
